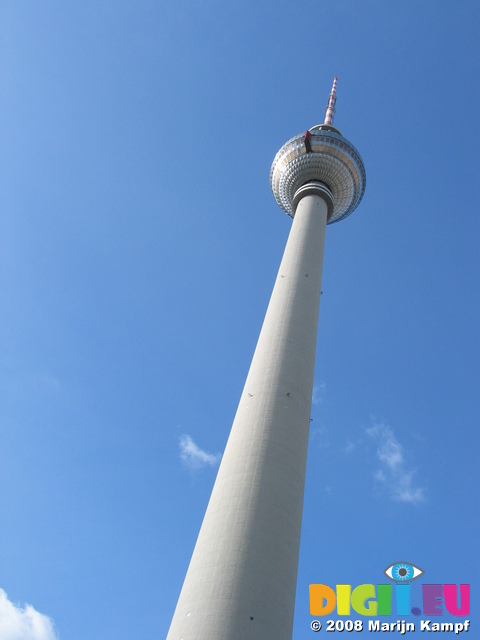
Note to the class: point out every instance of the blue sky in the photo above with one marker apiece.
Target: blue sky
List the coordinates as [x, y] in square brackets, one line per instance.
[139, 246]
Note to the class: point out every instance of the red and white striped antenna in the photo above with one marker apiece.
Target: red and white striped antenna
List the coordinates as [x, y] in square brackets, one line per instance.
[330, 110]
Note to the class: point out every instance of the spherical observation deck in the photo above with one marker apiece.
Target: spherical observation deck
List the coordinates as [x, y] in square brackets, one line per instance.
[332, 160]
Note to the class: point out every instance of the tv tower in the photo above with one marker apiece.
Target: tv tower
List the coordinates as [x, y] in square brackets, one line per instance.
[241, 581]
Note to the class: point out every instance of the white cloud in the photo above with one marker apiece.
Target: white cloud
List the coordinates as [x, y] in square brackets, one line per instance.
[47, 382]
[394, 474]
[318, 393]
[17, 623]
[349, 447]
[320, 434]
[193, 456]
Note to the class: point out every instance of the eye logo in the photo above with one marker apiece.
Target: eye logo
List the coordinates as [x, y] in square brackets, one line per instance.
[403, 572]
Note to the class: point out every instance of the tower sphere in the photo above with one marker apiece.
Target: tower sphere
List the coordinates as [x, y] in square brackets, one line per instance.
[332, 160]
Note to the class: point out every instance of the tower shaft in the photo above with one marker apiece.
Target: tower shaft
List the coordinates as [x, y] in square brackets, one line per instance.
[241, 581]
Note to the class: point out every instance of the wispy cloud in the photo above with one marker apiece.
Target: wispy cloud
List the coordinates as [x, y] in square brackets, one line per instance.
[393, 473]
[320, 435]
[23, 623]
[47, 382]
[349, 447]
[318, 393]
[193, 456]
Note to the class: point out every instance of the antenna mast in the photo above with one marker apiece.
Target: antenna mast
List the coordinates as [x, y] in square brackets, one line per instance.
[330, 110]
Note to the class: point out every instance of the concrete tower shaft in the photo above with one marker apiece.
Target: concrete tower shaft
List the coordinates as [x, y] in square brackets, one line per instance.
[242, 577]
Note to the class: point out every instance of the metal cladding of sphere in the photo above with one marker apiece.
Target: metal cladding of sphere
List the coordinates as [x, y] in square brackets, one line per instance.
[331, 160]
